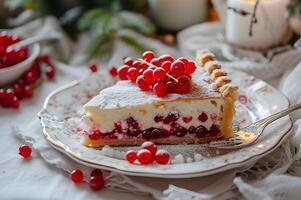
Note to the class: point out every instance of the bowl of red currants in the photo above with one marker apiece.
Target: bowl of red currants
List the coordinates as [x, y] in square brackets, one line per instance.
[14, 62]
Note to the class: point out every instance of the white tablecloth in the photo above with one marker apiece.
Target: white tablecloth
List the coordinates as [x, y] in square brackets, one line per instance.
[34, 178]
[37, 179]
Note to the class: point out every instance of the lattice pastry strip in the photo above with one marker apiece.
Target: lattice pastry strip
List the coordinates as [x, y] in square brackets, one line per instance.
[208, 62]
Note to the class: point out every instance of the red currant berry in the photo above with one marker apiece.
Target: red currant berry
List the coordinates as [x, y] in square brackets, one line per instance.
[184, 60]
[128, 61]
[171, 86]
[157, 62]
[15, 103]
[142, 84]
[77, 176]
[148, 56]
[164, 58]
[97, 182]
[50, 73]
[150, 146]
[131, 156]
[133, 74]
[4, 101]
[93, 68]
[21, 83]
[143, 67]
[183, 85]
[9, 95]
[177, 68]
[35, 69]
[137, 64]
[44, 58]
[123, 71]
[152, 67]
[159, 74]
[2, 94]
[96, 172]
[148, 75]
[187, 119]
[158, 118]
[17, 89]
[28, 92]
[144, 157]
[25, 151]
[166, 65]
[113, 71]
[30, 77]
[190, 68]
[160, 89]
[162, 157]
[203, 117]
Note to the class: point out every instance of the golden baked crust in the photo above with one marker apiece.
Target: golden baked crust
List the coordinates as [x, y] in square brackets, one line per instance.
[160, 141]
[206, 60]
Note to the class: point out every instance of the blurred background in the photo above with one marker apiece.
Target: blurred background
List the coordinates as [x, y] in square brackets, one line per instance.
[103, 19]
[160, 19]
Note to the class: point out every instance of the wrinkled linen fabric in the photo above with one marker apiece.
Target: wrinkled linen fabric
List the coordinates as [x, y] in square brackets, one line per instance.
[47, 171]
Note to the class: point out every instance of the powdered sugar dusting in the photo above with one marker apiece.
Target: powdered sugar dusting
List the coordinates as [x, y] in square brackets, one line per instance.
[125, 93]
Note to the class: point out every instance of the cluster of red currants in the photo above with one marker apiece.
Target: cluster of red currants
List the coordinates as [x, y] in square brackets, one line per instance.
[10, 57]
[148, 154]
[96, 178]
[161, 75]
[10, 97]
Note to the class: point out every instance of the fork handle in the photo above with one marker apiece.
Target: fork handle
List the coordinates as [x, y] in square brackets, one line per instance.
[266, 121]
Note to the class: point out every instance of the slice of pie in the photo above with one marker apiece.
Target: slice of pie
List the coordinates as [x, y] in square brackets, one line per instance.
[125, 115]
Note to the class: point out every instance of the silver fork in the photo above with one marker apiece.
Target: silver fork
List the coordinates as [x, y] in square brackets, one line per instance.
[250, 134]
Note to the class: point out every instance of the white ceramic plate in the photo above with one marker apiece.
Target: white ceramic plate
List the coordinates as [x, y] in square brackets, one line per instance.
[61, 120]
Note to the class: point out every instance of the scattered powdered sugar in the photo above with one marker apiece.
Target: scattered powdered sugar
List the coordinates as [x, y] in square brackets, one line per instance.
[113, 153]
[198, 157]
[178, 159]
[119, 154]
[189, 160]
[107, 151]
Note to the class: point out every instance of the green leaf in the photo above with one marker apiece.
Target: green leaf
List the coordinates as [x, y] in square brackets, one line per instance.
[136, 22]
[99, 46]
[133, 42]
[294, 8]
[104, 25]
[88, 20]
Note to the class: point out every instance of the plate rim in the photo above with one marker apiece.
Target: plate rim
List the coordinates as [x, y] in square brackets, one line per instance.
[88, 162]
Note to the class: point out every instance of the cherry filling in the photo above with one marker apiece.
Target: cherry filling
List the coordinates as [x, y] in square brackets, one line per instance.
[171, 117]
[155, 133]
[134, 130]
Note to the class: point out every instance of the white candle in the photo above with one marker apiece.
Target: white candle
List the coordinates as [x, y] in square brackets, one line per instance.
[270, 28]
[175, 15]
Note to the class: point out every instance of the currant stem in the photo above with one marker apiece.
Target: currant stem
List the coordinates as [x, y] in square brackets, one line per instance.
[150, 64]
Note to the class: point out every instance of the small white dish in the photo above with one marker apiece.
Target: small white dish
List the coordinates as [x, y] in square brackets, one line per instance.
[63, 111]
[12, 73]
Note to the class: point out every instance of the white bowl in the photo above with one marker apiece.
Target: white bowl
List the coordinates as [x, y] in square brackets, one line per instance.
[12, 73]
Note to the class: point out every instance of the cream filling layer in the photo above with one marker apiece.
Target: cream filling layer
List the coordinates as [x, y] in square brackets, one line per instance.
[145, 114]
